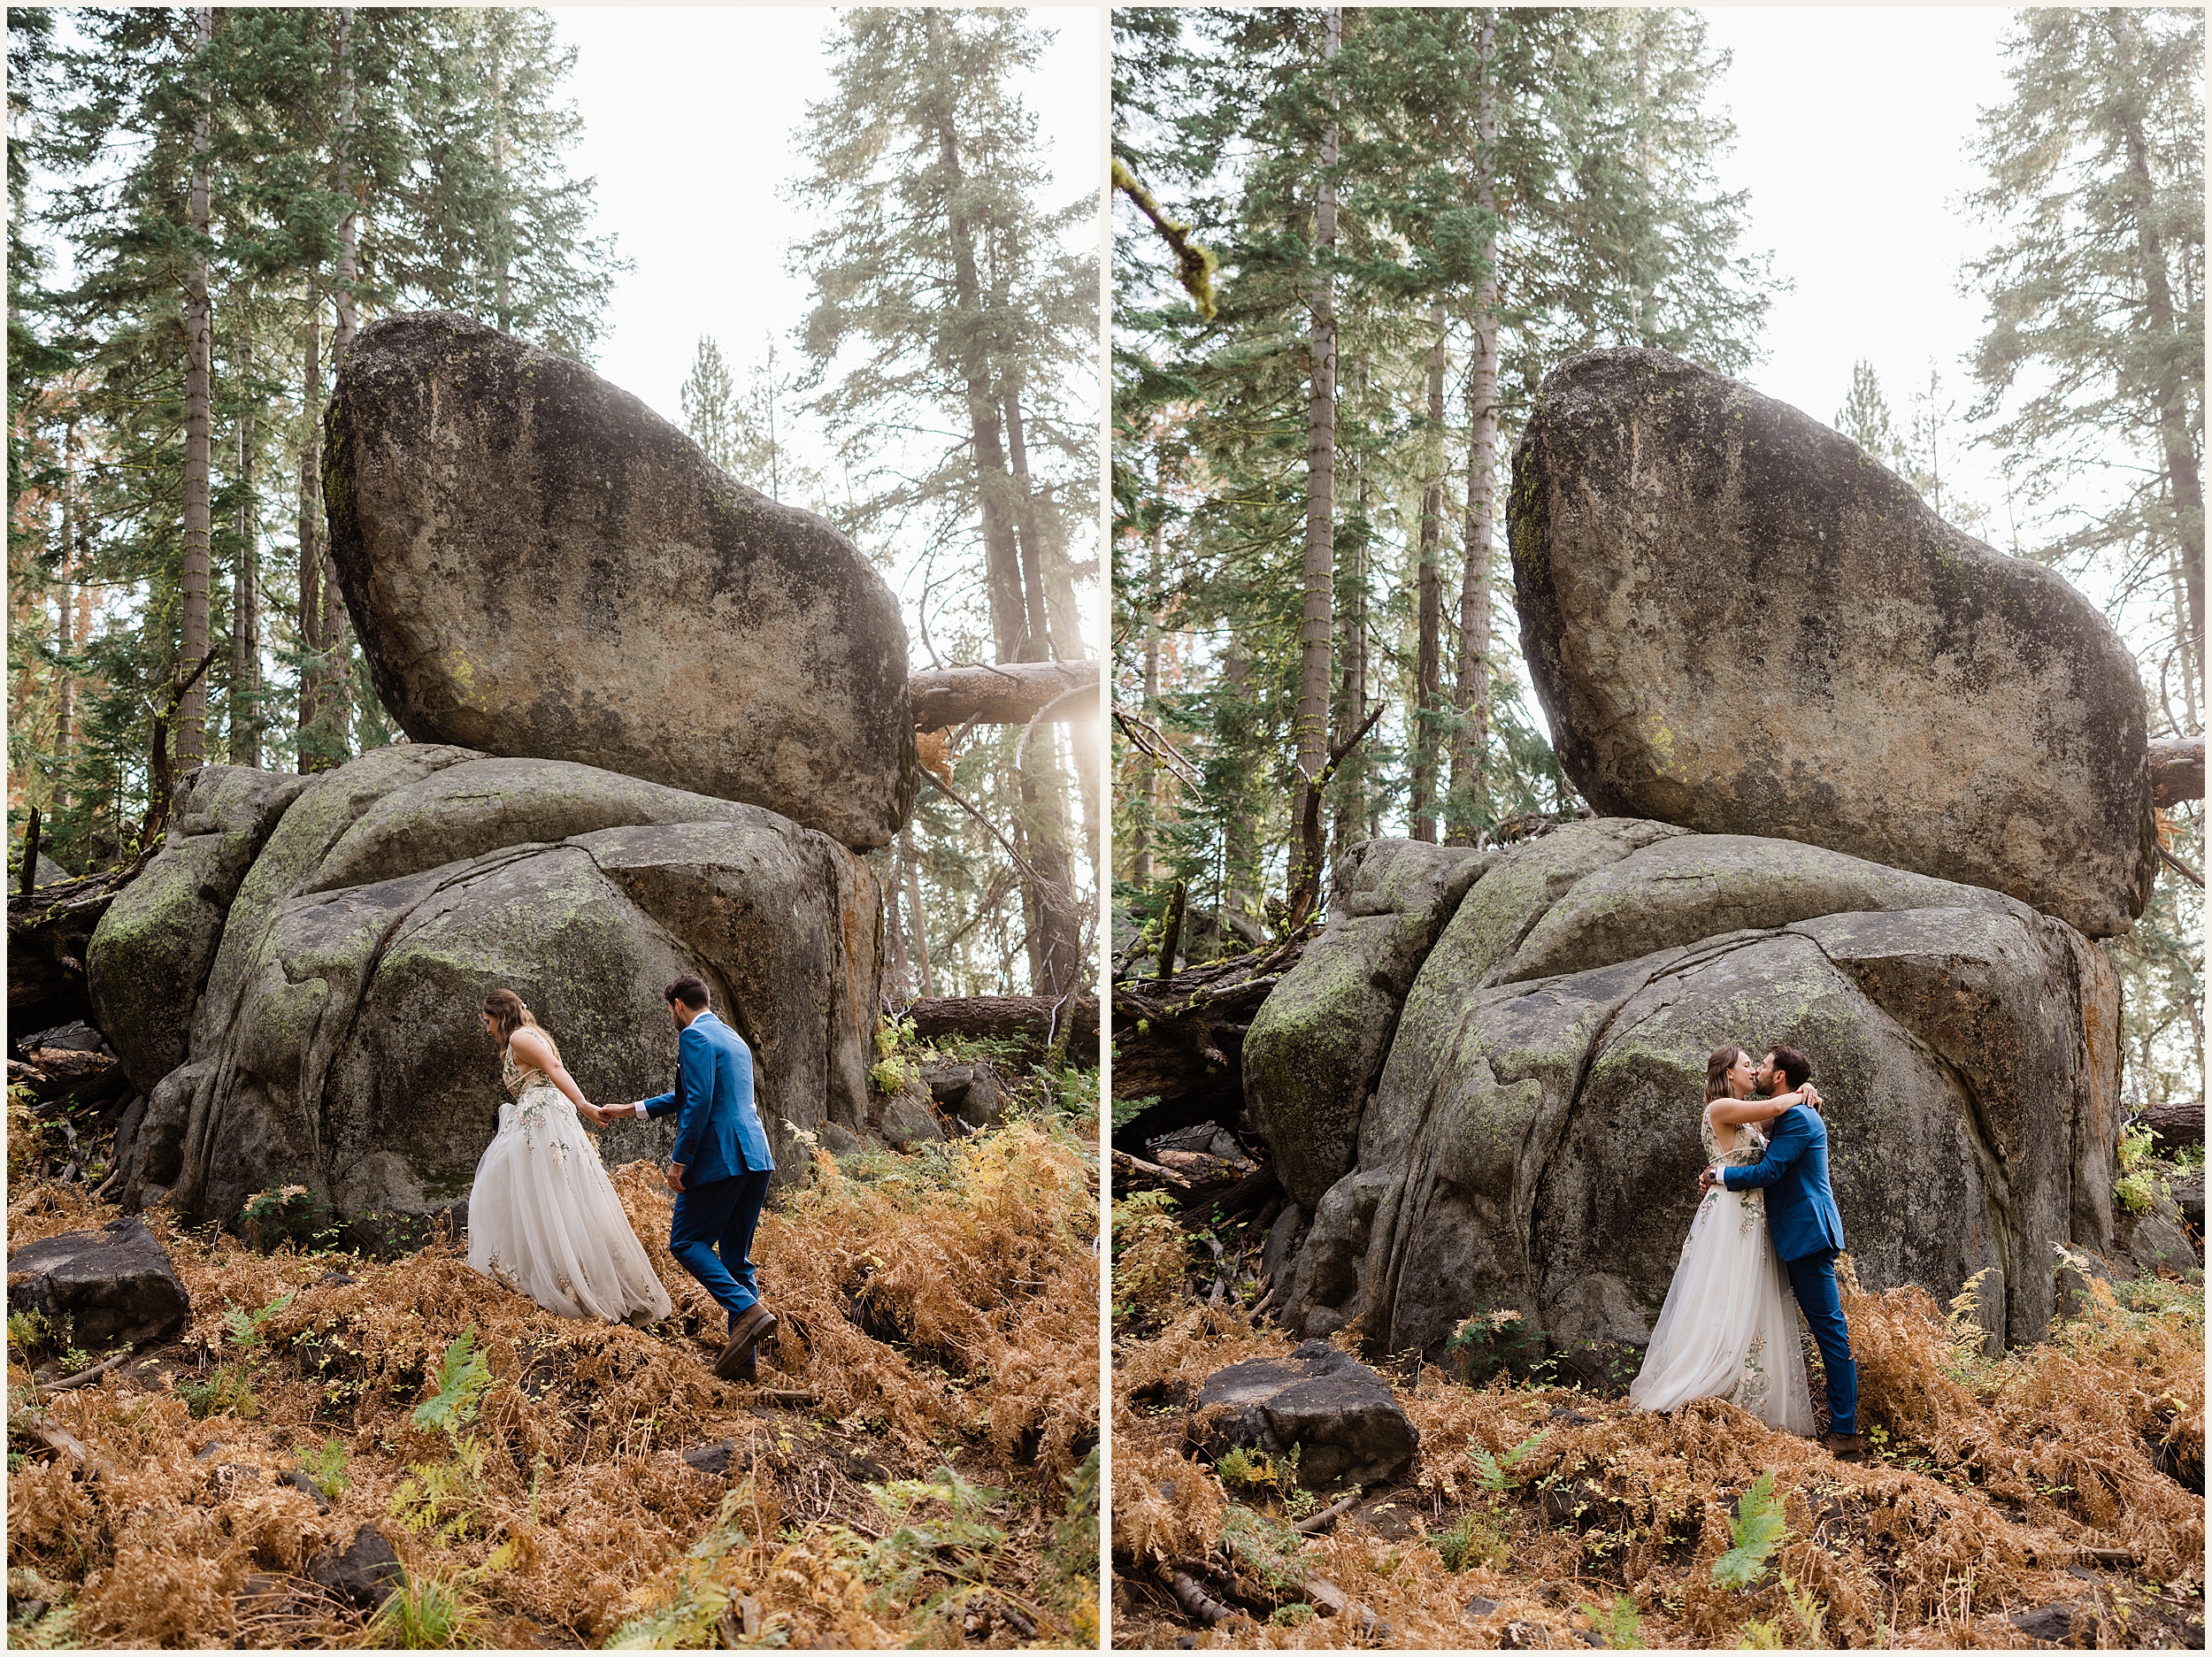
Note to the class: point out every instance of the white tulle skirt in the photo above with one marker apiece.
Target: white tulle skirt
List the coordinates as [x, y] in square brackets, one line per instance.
[1729, 1327]
[544, 1219]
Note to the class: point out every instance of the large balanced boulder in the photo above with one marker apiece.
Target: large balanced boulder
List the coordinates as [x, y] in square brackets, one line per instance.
[540, 566]
[336, 1042]
[116, 1283]
[1738, 622]
[1531, 1147]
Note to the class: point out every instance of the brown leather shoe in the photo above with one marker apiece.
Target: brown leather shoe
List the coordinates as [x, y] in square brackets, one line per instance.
[1845, 1446]
[755, 1324]
[737, 1363]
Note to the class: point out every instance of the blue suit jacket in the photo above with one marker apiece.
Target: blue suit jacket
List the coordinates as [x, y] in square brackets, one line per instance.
[1801, 1216]
[718, 1126]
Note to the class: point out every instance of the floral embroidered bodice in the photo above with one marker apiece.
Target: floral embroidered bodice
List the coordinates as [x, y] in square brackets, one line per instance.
[532, 1089]
[1751, 1145]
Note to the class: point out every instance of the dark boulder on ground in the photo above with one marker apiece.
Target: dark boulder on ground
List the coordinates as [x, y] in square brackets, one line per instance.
[539, 566]
[1740, 623]
[365, 1575]
[116, 1284]
[1529, 1155]
[336, 1043]
[1338, 1413]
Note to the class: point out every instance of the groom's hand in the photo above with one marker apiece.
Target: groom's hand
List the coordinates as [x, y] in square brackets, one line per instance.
[1706, 1179]
[675, 1177]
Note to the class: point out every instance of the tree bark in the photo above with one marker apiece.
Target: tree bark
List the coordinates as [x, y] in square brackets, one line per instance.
[2176, 770]
[1140, 834]
[1428, 699]
[1311, 727]
[65, 681]
[310, 552]
[1038, 645]
[1002, 1017]
[198, 421]
[2183, 474]
[1349, 819]
[245, 602]
[1062, 691]
[914, 900]
[1471, 741]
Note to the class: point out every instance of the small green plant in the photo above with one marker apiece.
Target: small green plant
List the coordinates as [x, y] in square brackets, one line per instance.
[228, 1391]
[244, 1328]
[1292, 1614]
[1620, 1623]
[2138, 1185]
[2189, 1156]
[288, 1213]
[1265, 1547]
[1475, 1539]
[1496, 1474]
[893, 1071]
[31, 1330]
[1758, 1528]
[940, 1527]
[325, 1467]
[1249, 1471]
[1761, 1634]
[1812, 1616]
[434, 1613]
[444, 1499]
[463, 1376]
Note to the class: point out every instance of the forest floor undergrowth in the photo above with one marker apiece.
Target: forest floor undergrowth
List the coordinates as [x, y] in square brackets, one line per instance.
[2050, 1495]
[917, 1465]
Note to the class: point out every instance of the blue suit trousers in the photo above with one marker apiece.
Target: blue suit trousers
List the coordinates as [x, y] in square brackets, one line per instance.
[1813, 1279]
[712, 1233]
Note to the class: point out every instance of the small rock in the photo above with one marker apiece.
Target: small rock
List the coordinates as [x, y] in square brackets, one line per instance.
[2055, 1623]
[1571, 1418]
[72, 1038]
[712, 1459]
[840, 1140]
[208, 1449]
[1342, 1414]
[1584, 1505]
[113, 1285]
[986, 1101]
[1480, 1606]
[907, 1120]
[306, 1486]
[336, 1279]
[367, 1574]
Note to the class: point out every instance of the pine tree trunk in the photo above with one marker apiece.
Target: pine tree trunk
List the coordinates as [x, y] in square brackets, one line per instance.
[1311, 726]
[1002, 557]
[1470, 739]
[1140, 835]
[310, 553]
[245, 606]
[914, 898]
[2184, 476]
[348, 227]
[1239, 836]
[1428, 701]
[65, 681]
[198, 420]
[1037, 647]
[1349, 821]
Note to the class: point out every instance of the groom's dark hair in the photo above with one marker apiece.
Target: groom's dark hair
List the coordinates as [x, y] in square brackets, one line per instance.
[1796, 1067]
[691, 990]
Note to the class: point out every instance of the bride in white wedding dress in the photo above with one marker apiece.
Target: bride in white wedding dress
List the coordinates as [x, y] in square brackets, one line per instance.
[543, 1217]
[1729, 1327]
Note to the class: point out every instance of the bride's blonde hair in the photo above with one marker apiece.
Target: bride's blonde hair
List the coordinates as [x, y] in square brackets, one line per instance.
[1717, 1065]
[505, 1009]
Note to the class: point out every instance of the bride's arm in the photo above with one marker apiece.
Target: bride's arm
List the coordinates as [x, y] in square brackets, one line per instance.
[537, 1053]
[1736, 1112]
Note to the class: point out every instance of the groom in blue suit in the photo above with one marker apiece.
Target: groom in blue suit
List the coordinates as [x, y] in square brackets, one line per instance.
[1808, 1234]
[718, 1168]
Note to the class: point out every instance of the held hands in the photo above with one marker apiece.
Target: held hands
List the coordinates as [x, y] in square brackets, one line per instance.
[1707, 1179]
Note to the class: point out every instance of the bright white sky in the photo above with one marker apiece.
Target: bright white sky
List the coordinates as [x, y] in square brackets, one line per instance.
[691, 120]
[1853, 127]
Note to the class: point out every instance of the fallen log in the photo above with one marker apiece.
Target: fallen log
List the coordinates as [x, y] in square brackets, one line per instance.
[1012, 694]
[49, 931]
[2176, 1122]
[1179, 1040]
[2176, 769]
[1037, 1018]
